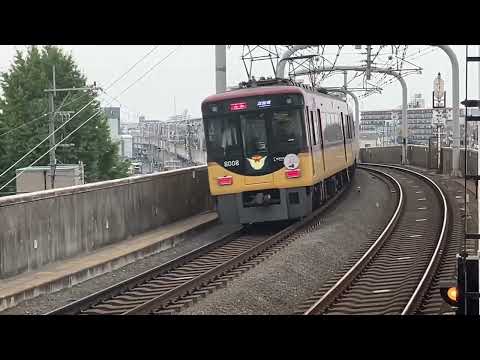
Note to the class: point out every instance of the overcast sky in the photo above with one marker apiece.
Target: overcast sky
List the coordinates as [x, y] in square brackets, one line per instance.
[188, 75]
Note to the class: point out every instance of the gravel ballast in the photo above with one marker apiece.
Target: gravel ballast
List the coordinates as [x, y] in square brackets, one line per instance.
[276, 285]
[281, 282]
[48, 302]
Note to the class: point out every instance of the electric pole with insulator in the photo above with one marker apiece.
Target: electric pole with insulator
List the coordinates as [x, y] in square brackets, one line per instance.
[52, 93]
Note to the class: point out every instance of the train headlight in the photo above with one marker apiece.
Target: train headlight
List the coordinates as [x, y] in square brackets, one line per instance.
[289, 100]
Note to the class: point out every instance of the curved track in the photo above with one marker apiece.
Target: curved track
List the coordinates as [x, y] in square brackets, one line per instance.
[172, 286]
[395, 273]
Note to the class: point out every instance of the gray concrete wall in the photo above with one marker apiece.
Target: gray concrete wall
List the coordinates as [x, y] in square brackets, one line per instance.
[418, 156]
[446, 161]
[41, 227]
[471, 161]
[387, 155]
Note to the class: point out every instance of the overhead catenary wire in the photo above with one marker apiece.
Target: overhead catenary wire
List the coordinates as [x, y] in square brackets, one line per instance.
[132, 67]
[25, 124]
[42, 116]
[91, 117]
[71, 118]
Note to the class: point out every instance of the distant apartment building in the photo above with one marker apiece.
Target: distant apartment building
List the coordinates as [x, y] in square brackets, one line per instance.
[383, 127]
[128, 127]
[113, 118]
[126, 146]
[180, 117]
[417, 102]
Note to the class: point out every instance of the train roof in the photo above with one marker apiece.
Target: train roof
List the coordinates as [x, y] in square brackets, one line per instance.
[263, 90]
[268, 87]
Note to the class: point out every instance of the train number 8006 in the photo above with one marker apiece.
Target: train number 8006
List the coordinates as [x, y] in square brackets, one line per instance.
[231, 163]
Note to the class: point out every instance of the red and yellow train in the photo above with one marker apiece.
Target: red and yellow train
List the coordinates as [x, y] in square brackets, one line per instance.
[276, 150]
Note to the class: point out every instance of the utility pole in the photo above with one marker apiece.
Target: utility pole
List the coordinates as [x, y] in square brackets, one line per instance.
[478, 156]
[369, 54]
[51, 129]
[52, 93]
[221, 68]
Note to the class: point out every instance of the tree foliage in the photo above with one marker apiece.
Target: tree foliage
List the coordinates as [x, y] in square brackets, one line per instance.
[24, 99]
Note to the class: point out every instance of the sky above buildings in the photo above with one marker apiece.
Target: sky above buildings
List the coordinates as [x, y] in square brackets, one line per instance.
[185, 78]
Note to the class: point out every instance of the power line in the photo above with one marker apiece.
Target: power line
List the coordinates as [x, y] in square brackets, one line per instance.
[132, 67]
[24, 124]
[65, 123]
[78, 98]
[85, 122]
[126, 109]
[42, 116]
[150, 70]
[45, 153]
[48, 137]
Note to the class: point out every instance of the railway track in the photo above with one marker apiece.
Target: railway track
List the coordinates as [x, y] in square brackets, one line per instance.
[170, 287]
[398, 270]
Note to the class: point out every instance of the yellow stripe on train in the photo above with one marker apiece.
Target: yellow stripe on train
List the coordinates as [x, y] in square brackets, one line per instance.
[312, 171]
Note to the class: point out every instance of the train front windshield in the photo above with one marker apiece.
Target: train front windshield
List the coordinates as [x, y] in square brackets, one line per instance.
[238, 136]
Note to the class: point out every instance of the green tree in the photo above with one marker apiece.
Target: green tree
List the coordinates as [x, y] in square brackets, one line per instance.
[24, 99]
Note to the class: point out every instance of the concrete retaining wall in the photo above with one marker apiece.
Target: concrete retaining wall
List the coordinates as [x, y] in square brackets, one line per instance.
[471, 161]
[418, 156]
[387, 155]
[41, 227]
[446, 161]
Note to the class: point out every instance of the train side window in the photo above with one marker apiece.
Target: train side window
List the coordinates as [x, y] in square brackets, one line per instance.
[339, 127]
[349, 129]
[307, 121]
[328, 128]
[312, 128]
[320, 130]
[351, 126]
[331, 128]
[334, 126]
[317, 127]
[345, 125]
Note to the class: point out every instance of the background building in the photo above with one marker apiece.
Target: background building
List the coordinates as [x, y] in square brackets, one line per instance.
[126, 146]
[417, 101]
[113, 118]
[385, 126]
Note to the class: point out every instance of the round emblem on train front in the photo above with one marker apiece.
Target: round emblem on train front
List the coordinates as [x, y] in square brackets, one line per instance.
[291, 161]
